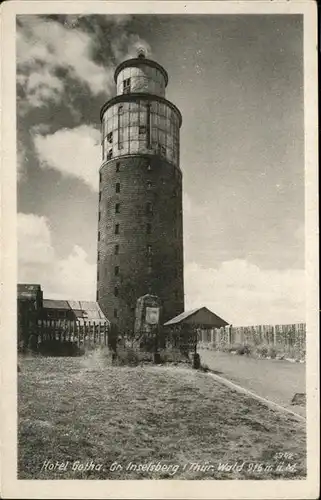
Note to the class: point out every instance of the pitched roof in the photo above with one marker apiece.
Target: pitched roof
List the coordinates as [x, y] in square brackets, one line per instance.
[92, 311]
[55, 304]
[200, 316]
[84, 310]
[180, 318]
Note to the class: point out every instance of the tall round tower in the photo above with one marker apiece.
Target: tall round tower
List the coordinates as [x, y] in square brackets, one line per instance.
[140, 226]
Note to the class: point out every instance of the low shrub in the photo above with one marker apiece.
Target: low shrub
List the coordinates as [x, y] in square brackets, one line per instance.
[245, 349]
[238, 349]
[233, 347]
[289, 352]
[265, 351]
[227, 347]
[262, 351]
[128, 356]
[174, 356]
[272, 352]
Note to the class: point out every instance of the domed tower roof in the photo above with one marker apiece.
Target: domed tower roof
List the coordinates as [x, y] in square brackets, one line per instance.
[140, 60]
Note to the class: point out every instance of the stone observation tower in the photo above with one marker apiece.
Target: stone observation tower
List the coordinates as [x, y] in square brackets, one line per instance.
[140, 227]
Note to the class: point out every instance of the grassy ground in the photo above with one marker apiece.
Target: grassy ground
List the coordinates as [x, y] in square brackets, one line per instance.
[79, 409]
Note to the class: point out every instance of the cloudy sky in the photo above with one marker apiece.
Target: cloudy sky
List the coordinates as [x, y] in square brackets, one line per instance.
[238, 81]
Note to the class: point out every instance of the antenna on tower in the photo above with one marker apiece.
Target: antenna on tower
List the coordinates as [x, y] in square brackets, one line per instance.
[141, 53]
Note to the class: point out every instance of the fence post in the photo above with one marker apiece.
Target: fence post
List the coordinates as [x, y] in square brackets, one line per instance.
[82, 334]
[105, 334]
[77, 333]
[94, 333]
[68, 331]
[274, 335]
[99, 333]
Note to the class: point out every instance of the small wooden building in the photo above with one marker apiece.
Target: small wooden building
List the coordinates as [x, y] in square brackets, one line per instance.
[189, 327]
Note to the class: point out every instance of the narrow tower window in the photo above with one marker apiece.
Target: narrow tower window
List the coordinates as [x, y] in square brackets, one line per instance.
[149, 184]
[116, 249]
[117, 208]
[110, 137]
[148, 126]
[98, 255]
[98, 235]
[109, 154]
[149, 208]
[116, 291]
[117, 166]
[142, 129]
[117, 229]
[117, 187]
[120, 127]
[97, 296]
[99, 195]
[126, 86]
[116, 270]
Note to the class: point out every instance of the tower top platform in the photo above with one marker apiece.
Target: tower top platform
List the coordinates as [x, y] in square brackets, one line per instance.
[140, 61]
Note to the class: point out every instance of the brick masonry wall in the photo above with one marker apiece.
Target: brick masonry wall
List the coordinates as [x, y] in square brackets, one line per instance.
[159, 272]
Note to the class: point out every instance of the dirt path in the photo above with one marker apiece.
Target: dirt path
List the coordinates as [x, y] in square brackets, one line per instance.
[272, 379]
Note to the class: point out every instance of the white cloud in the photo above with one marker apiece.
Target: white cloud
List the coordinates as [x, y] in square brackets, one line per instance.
[34, 240]
[243, 294]
[43, 86]
[74, 152]
[43, 47]
[72, 277]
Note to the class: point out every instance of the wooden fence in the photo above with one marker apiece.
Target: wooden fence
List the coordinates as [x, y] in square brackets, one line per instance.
[84, 334]
[289, 340]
